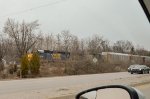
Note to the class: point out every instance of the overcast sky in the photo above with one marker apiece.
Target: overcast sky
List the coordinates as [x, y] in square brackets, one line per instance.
[113, 19]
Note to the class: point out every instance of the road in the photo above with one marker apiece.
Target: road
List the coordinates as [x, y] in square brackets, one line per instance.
[56, 83]
[145, 89]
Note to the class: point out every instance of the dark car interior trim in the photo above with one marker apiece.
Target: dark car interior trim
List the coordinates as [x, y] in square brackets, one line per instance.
[145, 9]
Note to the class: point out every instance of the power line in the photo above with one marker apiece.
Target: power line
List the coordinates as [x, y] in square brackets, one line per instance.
[34, 8]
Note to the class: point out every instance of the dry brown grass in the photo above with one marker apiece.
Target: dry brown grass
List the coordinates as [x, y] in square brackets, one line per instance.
[80, 67]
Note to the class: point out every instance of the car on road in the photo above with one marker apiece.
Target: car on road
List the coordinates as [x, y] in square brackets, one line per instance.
[142, 69]
[132, 66]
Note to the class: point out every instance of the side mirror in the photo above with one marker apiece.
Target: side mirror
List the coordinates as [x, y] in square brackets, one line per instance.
[111, 92]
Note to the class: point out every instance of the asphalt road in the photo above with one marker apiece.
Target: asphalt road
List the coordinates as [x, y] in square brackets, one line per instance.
[56, 82]
[26, 85]
[145, 89]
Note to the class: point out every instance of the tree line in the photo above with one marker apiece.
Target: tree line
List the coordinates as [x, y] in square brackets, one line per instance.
[19, 38]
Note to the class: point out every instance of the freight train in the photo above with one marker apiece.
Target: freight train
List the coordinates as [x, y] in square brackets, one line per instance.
[53, 55]
[113, 57]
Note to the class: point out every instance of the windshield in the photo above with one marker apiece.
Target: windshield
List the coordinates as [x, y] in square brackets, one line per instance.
[133, 66]
[139, 66]
[55, 48]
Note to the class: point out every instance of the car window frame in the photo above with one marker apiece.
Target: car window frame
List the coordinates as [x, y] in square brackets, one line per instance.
[145, 9]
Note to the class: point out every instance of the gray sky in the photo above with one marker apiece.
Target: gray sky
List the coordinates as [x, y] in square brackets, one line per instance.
[113, 19]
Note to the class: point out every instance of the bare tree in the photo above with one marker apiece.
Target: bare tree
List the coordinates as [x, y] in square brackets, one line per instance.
[123, 46]
[139, 50]
[82, 45]
[51, 42]
[23, 34]
[58, 42]
[74, 45]
[66, 38]
[105, 46]
[3, 51]
[96, 44]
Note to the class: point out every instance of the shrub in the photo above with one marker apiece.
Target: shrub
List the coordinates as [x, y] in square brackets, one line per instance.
[35, 64]
[24, 66]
